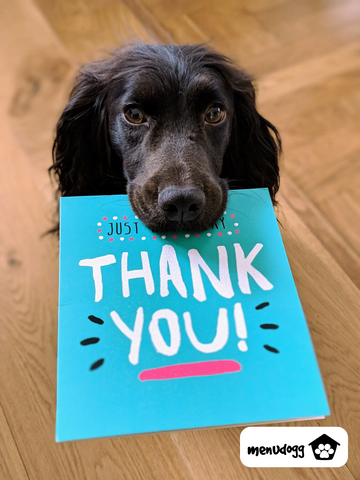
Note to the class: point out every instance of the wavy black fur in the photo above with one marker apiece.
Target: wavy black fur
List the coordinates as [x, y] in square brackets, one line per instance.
[98, 152]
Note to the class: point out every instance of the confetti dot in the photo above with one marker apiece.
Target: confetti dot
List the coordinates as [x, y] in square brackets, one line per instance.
[143, 238]
[224, 213]
[220, 234]
[196, 235]
[121, 238]
[111, 239]
[99, 224]
[104, 218]
[208, 234]
[136, 217]
[236, 231]
[236, 224]
[232, 215]
[124, 217]
[115, 218]
[163, 237]
[174, 236]
[229, 233]
[187, 235]
[131, 239]
[99, 230]
[101, 238]
[154, 237]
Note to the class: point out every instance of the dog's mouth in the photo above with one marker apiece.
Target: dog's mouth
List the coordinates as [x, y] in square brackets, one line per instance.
[179, 208]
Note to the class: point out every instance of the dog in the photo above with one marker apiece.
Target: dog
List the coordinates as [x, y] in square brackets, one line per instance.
[174, 127]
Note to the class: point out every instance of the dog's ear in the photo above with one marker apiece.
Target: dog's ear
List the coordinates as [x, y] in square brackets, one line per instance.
[82, 152]
[251, 160]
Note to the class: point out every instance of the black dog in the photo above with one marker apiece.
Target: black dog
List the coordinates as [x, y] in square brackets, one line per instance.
[173, 126]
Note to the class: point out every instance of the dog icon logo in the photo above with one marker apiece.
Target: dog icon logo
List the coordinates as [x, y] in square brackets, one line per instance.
[324, 447]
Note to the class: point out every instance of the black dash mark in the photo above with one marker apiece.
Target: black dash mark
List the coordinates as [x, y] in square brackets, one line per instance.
[94, 319]
[97, 364]
[271, 349]
[262, 305]
[269, 326]
[90, 341]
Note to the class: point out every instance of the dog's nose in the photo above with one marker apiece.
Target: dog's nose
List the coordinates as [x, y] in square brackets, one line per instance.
[181, 204]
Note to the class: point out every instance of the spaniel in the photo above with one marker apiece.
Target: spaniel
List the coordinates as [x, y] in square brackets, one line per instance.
[174, 127]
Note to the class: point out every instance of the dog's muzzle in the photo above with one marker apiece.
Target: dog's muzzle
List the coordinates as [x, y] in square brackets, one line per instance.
[181, 204]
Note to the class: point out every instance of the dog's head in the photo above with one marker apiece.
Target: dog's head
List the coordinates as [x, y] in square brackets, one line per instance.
[174, 126]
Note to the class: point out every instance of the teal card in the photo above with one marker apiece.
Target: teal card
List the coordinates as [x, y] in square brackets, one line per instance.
[161, 332]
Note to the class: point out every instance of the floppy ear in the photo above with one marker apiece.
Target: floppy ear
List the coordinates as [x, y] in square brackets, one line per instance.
[84, 162]
[251, 160]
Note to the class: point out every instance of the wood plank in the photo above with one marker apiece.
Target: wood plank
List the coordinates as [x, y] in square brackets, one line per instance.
[208, 454]
[313, 163]
[306, 30]
[11, 465]
[332, 307]
[149, 22]
[315, 71]
[322, 148]
[322, 228]
[263, 36]
[89, 30]
[345, 208]
[36, 78]
[327, 129]
[341, 179]
[257, 6]
[194, 22]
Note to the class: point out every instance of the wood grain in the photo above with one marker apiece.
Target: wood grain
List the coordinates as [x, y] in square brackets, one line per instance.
[324, 231]
[198, 447]
[35, 81]
[306, 60]
[11, 465]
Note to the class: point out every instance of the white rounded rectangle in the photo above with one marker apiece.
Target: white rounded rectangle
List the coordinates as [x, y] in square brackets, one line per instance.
[294, 447]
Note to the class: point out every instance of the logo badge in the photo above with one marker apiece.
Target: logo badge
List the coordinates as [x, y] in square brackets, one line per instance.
[290, 447]
[324, 447]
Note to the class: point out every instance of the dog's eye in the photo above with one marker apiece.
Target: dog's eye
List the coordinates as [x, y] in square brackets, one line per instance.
[134, 115]
[214, 114]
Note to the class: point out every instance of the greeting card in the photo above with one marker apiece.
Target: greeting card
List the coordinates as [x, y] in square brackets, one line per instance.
[180, 330]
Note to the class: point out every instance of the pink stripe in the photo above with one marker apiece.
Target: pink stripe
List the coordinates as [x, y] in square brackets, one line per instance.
[212, 367]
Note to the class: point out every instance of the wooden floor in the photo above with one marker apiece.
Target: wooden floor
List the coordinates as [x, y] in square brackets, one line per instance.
[305, 56]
